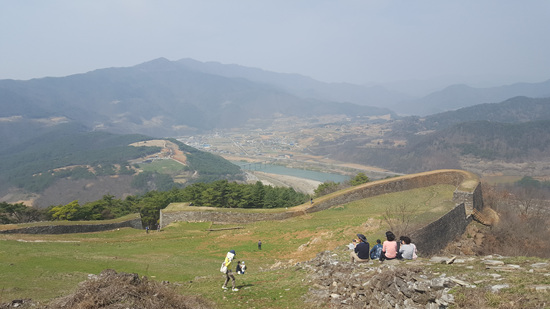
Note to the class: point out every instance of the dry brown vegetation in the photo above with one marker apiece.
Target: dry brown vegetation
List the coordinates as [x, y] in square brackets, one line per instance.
[112, 290]
[524, 221]
[400, 218]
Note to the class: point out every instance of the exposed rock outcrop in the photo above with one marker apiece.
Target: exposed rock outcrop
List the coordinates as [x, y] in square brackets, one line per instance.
[375, 285]
[337, 283]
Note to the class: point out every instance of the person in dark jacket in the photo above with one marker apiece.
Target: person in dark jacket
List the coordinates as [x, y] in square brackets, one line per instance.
[376, 250]
[361, 251]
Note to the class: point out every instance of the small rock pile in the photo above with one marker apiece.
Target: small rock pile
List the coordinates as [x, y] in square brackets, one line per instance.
[375, 285]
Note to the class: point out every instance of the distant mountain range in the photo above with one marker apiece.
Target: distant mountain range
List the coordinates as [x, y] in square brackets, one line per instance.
[170, 98]
[163, 98]
[302, 86]
[514, 110]
[449, 98]
[458, 96]
[160, 98]
[516, 131]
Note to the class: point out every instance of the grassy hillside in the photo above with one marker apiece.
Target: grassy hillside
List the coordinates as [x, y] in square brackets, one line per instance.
[46, 266]
[514, 131]
[31, 163]
[68, 162]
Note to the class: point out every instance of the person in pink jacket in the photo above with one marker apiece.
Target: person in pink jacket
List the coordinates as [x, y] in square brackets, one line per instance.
[389, 247]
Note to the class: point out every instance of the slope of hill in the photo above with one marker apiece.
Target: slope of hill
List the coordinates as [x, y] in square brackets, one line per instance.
[490, 140]
[303, 86]
[514, 110]
[72, 162]
[160, 98]
[458, 96]
[303, 263]
[483, 136]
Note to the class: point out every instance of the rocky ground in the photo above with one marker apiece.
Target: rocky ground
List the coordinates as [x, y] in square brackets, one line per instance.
[437, 282]
[112, 290]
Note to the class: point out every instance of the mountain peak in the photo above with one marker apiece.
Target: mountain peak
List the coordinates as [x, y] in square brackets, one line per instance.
[159, 64]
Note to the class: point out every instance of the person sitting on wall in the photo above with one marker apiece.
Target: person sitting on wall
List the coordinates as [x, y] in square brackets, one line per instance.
[361, 251]
[407, 251]
[389, 247]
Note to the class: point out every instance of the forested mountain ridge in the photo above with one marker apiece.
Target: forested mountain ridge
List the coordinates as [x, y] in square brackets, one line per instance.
[458, 96]
[186, 97]
[513, 110]
[303, 86]
[160, 98]
[71, 153]
[514, 142]
[514, 131]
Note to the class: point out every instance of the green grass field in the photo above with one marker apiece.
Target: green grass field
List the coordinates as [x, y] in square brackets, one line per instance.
[43, 267]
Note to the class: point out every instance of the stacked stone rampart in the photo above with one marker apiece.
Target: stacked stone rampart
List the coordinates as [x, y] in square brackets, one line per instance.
[430, 239]
[436, 235]
[75, 228]
[403, 183]
[221, 217]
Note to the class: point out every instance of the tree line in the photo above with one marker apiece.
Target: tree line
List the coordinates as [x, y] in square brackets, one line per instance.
[220, 193]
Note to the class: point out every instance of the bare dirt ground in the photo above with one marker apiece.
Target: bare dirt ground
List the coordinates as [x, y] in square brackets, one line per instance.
[299, 184]
[169, 149]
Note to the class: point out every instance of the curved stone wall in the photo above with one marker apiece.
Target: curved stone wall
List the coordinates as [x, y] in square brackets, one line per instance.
[454, 177]
[82, 228]
[436, 235]
[403, 183]
[430, 239]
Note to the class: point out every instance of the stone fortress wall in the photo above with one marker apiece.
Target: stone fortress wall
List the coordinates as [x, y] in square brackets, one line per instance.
[430, 239]
[74, 228]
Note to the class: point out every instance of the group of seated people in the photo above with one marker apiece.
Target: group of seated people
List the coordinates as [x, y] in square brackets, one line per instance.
[390, 249]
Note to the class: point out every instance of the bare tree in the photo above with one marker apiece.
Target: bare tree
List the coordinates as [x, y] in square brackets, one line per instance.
[524, 220]
[400, 218]
[530, 201]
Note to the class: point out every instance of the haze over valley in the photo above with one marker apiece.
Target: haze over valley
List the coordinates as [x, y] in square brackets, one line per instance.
[252, 115]
[391, 87]
[143, 141]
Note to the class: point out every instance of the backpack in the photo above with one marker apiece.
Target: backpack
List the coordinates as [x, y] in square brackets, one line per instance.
[376, 252]
[228, 258]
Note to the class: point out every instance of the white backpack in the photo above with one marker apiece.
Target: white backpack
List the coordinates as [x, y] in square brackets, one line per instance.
[229, 257]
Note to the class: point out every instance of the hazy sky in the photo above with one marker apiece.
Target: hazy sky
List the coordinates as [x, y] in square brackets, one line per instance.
[357, 41]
